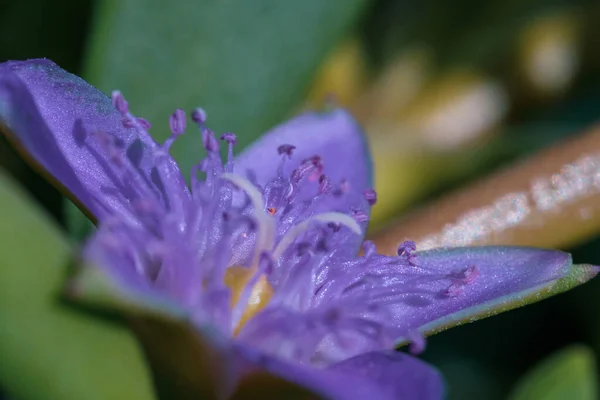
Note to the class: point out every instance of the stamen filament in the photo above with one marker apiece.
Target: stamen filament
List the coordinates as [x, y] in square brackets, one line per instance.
[297, 230]
[265, 222]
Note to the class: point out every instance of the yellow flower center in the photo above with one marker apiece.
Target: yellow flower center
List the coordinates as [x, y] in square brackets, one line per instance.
[236, 279]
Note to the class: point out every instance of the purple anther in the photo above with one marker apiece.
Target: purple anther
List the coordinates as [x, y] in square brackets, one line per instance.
[119, 102]
[128, 122]
[144, 123]
[209, 141]
[199, 116]
[325, 185]
[406, 248]
[229, 137]
[286, 149]
[177, 122]
[453, 290]
[467, 275]
[305, 168]
[334, 226]
[360, 216]
[370, 196]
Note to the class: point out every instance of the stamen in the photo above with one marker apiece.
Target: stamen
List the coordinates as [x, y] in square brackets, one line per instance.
[342, 188]
[286, 149]
[297, 230]
[231, 140]
[371, 196]
[276, 219]
[177, 122]
[324, 185]
[406, 248]
[360, 216]
[119, 102]
[143, 122]
[199, 116]
[305, 168]
[266, 223]
[468, 275]
[209, 141]
[135, 122]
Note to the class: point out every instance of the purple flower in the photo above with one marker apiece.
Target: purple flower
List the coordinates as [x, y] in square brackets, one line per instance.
[262, 248]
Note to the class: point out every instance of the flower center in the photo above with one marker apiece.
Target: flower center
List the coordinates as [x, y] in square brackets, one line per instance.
[250, 288]
[236, 279]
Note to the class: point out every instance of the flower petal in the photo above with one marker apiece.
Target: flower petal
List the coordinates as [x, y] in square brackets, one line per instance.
[383, 376]
[334, 136]
[22, 122]
[399, 375]
[464, 284]
[46, 111]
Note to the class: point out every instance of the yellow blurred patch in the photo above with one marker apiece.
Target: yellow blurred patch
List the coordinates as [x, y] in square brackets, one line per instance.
[550, 53]
[342, 76]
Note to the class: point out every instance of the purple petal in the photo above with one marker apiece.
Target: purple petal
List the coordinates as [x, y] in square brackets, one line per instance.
[458, 285]
[334, 136]
[382, 376]
[399, 375]
[49, 113]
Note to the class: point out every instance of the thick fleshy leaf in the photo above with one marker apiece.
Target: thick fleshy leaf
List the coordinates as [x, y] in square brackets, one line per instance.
[502, 278]
[335, 137]
[66, 353]
[568, 374]
[40, 106]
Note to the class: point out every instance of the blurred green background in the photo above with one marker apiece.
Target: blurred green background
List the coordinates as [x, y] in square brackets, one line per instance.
[447, 92]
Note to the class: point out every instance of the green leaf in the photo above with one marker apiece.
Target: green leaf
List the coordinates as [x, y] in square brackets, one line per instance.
[50, 350]
[566, 375]
[248, 63]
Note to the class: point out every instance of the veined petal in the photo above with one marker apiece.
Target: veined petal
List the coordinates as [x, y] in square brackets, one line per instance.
[464, 284]
[48, 112]
[335, 137]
